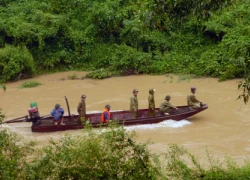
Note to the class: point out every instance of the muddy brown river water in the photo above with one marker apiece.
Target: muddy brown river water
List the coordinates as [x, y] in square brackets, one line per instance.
[224, 128]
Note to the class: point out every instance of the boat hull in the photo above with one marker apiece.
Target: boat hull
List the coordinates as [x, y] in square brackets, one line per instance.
[123, 118]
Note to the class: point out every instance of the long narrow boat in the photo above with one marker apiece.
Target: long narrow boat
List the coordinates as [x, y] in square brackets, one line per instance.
[71, 122]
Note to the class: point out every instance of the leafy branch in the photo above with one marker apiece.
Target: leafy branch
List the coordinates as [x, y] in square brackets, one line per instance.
[245, 85]
[2, 86]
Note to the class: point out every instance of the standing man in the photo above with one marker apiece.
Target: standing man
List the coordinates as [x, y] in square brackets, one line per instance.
[57, 114]
[81, 108]
[134, 104]
[151, 103]
[191, 99]
[166, 106]
[106, 114]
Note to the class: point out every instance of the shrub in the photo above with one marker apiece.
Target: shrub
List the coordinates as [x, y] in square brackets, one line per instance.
[30, 84]
[2, 116]
[101, 74]
[72, 77]
[16, 63]
[127, 60]
[13, 155]
[183, 165]
[107, 155]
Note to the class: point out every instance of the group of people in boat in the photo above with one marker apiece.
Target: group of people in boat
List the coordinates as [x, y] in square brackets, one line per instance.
[164, 109]
[165, 106]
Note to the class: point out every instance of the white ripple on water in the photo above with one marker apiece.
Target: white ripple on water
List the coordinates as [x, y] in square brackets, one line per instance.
[163, 124]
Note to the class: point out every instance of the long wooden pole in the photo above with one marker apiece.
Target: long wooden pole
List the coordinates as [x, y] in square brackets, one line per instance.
[67, 106]
[23, 119]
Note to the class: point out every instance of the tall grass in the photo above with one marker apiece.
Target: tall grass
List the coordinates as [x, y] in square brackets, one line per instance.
[72, 77]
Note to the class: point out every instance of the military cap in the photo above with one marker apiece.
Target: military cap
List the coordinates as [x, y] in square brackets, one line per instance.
[135, 90]
[168, 97]
[108, 106]
[193, 88]
[83, 96]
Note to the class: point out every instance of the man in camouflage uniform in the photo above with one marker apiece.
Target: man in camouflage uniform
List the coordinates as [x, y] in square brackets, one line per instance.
[151, 103]
[166, 106]
[192, 101]
[81, 108]
[134, 103]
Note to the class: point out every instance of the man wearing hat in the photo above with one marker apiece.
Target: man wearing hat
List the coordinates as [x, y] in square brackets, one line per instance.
[106, 114]
[166, 106]
[57, 114]
[81, 108]
[134, 103]
[151, 103]
[192, 101]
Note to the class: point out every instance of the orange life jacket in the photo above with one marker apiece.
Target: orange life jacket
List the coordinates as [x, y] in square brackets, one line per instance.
[102, 117]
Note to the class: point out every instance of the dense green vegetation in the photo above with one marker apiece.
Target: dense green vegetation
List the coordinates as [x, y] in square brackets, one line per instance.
[108, 155]
[114, 37]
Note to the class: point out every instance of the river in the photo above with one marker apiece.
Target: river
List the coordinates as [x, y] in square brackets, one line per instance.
[223, 129]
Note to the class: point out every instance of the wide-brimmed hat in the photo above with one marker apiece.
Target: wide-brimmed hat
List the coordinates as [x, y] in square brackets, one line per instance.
[57, 105]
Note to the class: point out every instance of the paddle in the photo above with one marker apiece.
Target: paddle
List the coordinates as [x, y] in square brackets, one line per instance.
[19, 119]
[23, 119]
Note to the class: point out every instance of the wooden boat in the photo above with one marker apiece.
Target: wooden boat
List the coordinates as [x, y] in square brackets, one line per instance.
[71, 122]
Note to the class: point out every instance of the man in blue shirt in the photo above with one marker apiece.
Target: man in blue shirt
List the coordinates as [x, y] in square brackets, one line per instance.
[57, 114]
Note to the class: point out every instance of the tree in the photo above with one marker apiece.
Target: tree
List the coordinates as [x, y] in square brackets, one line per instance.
[163, 11]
